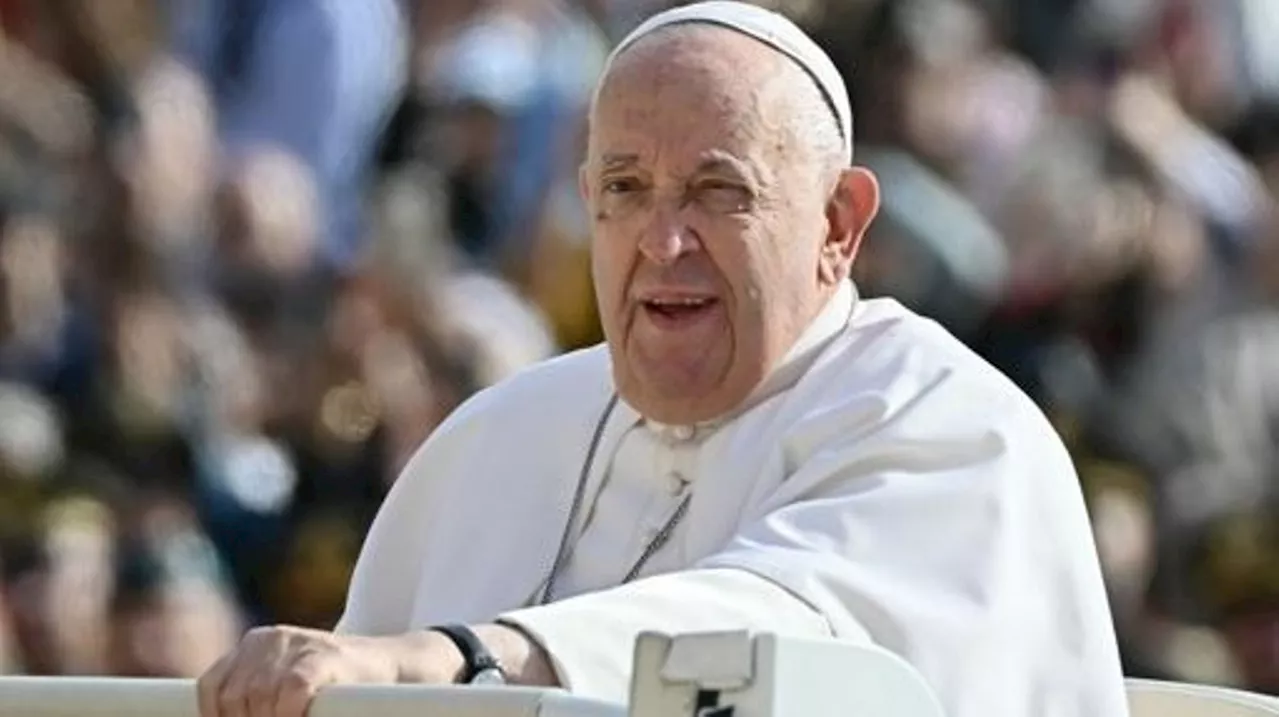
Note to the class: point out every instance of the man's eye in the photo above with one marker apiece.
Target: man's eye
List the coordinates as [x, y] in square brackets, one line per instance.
[724, 196]
[620, 186]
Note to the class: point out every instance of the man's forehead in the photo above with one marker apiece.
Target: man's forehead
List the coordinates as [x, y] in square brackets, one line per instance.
[619, 160]
[692, 79]
[677, 51]
[688, 130]
[712, 159]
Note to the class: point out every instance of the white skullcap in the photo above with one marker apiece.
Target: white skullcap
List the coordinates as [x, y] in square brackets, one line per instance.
[773, 30]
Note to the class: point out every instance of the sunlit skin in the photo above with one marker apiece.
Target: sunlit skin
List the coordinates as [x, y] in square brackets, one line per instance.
[719, 231]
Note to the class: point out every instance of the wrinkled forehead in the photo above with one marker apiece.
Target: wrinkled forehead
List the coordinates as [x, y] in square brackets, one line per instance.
[690, 86]
[712, 57]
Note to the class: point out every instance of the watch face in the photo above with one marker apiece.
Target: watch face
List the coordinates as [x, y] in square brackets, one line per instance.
[489, 676]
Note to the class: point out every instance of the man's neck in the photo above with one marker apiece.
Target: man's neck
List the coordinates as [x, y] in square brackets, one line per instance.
[830, 320]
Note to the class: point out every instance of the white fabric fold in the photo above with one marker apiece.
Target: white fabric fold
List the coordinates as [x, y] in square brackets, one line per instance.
[596, 663]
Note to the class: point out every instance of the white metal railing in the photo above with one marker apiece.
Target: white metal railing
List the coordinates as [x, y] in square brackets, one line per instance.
[1154, 698]
[118, 697]
[746, 675]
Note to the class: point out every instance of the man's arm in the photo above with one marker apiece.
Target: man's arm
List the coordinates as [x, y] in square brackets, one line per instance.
[588, 640]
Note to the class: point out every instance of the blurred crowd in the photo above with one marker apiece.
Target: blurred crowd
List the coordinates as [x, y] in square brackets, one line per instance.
[252, 251]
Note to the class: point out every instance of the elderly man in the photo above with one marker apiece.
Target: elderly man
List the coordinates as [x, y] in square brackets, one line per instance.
[755, 447]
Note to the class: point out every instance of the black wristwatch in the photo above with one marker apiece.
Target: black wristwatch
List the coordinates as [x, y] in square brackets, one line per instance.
[482, 668]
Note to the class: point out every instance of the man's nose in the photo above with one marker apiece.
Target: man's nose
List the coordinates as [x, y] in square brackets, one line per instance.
[668, 236]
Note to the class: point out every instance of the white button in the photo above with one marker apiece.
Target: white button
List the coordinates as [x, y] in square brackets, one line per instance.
[682, 433]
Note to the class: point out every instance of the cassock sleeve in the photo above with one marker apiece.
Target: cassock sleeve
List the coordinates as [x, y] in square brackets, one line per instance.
[590, 638]
[945, 525]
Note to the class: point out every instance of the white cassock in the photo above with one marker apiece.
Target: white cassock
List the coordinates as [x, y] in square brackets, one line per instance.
[885, 484]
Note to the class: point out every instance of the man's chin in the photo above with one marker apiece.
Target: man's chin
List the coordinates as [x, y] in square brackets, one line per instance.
[677, 385]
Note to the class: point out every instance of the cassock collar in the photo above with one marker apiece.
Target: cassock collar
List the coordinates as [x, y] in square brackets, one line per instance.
[829, 322]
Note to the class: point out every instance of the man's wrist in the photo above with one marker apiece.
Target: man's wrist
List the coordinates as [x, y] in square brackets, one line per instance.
[523, 658]
[481, 664]
[428, 657]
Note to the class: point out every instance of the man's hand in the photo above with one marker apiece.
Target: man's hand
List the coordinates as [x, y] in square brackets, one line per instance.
[276, 671]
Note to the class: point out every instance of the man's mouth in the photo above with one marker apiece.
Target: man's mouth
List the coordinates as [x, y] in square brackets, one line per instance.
[674, 312]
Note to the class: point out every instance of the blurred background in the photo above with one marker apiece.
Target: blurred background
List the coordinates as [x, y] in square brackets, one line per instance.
[253, 251]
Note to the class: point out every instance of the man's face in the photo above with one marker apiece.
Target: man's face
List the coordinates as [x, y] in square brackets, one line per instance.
[713, 228]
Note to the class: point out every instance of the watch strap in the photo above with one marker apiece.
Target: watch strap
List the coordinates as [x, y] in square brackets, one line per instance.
[481, 666]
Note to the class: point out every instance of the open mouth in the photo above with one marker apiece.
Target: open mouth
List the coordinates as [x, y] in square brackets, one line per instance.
[675, 312]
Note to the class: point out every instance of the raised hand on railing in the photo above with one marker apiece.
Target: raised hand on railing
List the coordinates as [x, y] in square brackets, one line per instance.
[276, 671]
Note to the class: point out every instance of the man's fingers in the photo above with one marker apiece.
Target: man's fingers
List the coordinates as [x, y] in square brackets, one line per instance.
[300, 683]
[209, 686]
[261, 689]
[248, 688]
[276, 672]
[233, 697]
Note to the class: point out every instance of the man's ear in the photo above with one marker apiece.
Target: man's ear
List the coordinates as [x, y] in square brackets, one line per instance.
[853, 205]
